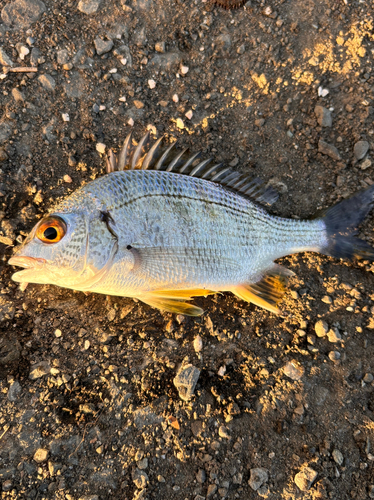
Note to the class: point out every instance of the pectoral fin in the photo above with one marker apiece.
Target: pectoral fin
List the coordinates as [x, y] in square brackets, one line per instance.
[268, 291]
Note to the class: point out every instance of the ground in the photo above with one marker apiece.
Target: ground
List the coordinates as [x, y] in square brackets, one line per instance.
[283, 407]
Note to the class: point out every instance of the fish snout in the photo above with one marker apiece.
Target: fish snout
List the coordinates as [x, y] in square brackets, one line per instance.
[26, 262]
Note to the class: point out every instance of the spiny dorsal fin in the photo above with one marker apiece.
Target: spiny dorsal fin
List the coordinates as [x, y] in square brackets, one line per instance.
[268, 291]
[151, 157]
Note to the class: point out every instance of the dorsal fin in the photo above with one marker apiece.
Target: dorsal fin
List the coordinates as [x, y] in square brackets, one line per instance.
[148, 156]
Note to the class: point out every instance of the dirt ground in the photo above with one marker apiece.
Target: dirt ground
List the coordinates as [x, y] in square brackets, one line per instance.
[283, 408]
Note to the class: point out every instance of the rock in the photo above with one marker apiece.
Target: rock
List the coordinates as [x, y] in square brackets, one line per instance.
[160, 47]
[36, 57]
[10, 350]
[145, 416]
[5, 132]
[166, 61]
[368, 378]
[3, 155]
[201, 476]
[40, 455]
[186, 380]
[365, 164]
[21, 14]
[212, 488]
[5, 60]
[88, 6]
[62, 57]
[321, 328]
[293, 370]
[305, 478]
[223, 42]
[47, 82]
[360, 149]
[14, 390]
[328, 150]
[39, 370]
[198, 343]
[337, 455]
[333, 335]
[140, 479]
[103, 46]
[223, 432]
[334, 355]
[258, 477]
[17, 95]
[323, 116]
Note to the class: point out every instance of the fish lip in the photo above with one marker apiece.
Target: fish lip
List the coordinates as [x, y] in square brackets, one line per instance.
[26, 262]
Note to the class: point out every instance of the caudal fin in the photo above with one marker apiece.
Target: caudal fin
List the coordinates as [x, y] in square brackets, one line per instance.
[342, 221]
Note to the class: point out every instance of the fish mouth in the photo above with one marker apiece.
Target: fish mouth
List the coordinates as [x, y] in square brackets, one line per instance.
[26, 262]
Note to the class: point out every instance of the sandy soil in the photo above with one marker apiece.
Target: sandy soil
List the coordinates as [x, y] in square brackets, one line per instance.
[283, 408]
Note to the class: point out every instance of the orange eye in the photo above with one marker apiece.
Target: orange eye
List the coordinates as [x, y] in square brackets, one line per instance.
[51, 230]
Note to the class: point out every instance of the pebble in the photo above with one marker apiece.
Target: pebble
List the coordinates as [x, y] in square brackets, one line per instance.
[160, 47]
[5, 132]
[198, 343]
[23, 52]
[201, 476]
[184, 69]
[138, 104]
[368, 378]
[14, 391]
[337, 455]
[140, 479]
[334, 355]
[258, 477]
[22, 14]
[175, 98]
[100, 147]
[5, 60]
[305, 478]
[321, 328]
[103, 46]
[65, 117]
[166, 61]
[189, 114]
[328, 150]
[323, 115]
[142, 464]
[360, 149]
[88, 6]
[39, 370]
[17, 95]
[334, 336]
[47, 82]
[62, 57]
[365, 164]
[179, 123]
[151, 84]
[185, 381]
[293, 370]
[40, 455]
[326, 299]
[223, 432]
[212, 488]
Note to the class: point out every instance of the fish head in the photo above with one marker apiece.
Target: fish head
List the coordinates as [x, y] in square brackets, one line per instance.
[71, 249]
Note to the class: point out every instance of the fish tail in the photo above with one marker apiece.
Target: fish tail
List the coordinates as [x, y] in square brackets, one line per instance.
[342, 221]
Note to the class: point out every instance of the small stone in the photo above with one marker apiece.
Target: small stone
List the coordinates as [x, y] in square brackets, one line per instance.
[212, 488]
[184, 69]
[7, 485]
[258, 477]
[334, 336]
[360, 149]
[23, 52]
[140, 479]
[3, 155]
[337, 455]
[39, 370]
[189, 114]
[323, 116]
[130, 122]
[138, 104]
[175, 98]
[21, 14]
[326, 299]
[47, 82]
[68, 179]
[321, 328]
[100, 147]
[5, 60]
[142, 464]
[305, 478]
[328, 150]
[88, 6]
[365, 164]
[198, 344]
[40, 455]
[293, 370]
[223, 432]
[17, 95]
[14, 391]
[186, 380]
[179, 123]
[241, 49]
[161, 479]
[160, 47]
[62, 57]
[65, 117]
[103, 46]
[201, 476]
[151, 84]
[259, 122]
[368, 378]
[334, 355]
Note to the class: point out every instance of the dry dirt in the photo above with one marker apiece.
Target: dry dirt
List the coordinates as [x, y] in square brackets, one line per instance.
[89, 409]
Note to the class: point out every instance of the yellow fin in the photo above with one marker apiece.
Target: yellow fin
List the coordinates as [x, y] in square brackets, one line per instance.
[267, 292]
[182, 294]
[172, 305]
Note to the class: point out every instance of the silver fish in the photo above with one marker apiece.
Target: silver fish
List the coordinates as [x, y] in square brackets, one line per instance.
[164, 227]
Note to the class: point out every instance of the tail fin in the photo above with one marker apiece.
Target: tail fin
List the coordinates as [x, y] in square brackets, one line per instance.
[342, 221]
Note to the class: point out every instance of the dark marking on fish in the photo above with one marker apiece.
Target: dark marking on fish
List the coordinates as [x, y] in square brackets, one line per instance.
[108, 220]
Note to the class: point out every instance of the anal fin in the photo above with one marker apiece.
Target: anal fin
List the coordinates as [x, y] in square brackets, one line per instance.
[174, 300]
[268, 291]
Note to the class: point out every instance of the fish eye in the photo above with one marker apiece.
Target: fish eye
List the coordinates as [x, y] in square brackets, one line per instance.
[51, 230]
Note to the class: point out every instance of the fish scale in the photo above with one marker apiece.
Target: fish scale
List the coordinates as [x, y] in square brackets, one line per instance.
[181, 230]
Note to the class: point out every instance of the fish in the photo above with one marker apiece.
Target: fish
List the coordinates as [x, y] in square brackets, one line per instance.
[164, 226]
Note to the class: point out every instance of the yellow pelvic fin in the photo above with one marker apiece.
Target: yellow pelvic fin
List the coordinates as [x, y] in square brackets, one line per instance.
[182, 294]
[172, 305]
[267, 292]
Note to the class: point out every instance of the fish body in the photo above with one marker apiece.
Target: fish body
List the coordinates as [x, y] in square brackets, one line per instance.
[163, 236]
